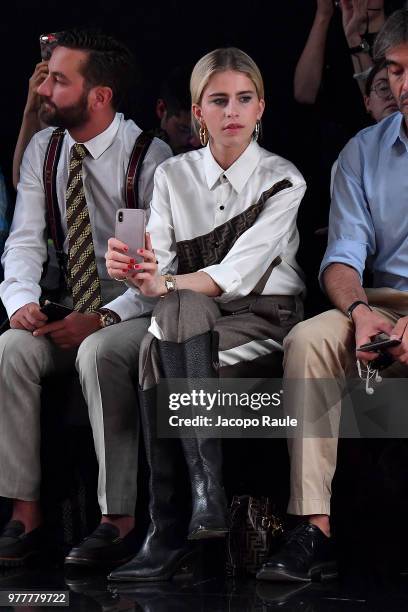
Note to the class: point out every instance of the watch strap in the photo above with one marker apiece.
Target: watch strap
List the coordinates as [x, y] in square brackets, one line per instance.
[354, 305]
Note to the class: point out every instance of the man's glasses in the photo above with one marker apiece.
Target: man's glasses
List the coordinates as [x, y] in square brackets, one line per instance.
[382, 90]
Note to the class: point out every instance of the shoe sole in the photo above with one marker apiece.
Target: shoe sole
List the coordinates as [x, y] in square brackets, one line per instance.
[177, 571]
[19, 561]
[319, 573]
[83, 562]
[206, 534]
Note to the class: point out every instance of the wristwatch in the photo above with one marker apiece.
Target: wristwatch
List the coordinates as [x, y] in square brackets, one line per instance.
[354, 305]
[363, 47]
[107, 317]
[170, 283]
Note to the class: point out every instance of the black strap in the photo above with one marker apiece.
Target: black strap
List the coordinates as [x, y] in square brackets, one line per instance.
[51, 160]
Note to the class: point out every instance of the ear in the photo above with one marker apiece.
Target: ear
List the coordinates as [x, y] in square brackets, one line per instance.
[161, 108]
[367, 104]
[197, 112]
[100, 97]
[261, 108]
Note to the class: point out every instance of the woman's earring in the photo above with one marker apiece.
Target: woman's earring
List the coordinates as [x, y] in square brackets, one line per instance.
[203, 133]
[257, 129]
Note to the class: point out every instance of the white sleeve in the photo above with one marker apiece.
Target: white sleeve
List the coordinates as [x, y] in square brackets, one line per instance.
[26, 247]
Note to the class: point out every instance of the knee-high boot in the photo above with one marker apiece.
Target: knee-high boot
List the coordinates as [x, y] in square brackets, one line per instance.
[198, 358]
[165, 550]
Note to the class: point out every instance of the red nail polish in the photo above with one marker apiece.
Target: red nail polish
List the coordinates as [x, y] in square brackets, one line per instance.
[130, 267]
[125, 271]
[132, 261]
[137, 266]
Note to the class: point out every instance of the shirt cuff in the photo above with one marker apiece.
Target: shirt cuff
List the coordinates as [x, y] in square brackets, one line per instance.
[346, 252]
[131, 305]
[226, 277]
[15, 302]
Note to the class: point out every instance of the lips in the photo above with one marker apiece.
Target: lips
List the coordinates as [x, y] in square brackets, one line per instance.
[233, 126]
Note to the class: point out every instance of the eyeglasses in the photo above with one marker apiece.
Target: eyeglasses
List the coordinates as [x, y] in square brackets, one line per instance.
[382, 90]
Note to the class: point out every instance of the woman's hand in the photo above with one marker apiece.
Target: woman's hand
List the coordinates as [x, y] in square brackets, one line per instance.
[144, 275]
[355, 20]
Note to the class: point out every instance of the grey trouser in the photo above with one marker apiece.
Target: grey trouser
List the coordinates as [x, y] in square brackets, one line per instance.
[107, 362]
[250, 329]
[320, 348]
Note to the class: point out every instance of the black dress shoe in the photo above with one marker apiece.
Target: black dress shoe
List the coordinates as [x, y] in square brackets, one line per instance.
[16, 546]
[104, 547]
[306, 555]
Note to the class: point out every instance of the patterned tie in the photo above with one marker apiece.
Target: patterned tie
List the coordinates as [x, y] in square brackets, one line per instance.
[82, 272]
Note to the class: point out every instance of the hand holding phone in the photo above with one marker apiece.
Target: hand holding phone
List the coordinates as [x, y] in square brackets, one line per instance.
[379, 343]
[54, 311]
[130, 228]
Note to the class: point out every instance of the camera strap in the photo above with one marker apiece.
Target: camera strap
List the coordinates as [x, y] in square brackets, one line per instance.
[53, 214]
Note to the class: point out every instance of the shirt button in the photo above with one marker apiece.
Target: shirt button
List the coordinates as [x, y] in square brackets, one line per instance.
[217, 244]
[222, 207]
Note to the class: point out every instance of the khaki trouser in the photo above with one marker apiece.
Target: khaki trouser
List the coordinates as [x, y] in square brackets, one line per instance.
[320, 348]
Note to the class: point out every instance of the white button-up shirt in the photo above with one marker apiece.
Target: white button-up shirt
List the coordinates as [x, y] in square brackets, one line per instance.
[193, 196]
[104, 171]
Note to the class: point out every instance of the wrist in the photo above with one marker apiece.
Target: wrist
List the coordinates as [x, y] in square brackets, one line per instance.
[323, 18]
[354, 39]
[358, 310]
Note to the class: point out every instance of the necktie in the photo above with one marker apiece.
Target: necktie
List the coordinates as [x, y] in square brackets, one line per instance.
[82, 271]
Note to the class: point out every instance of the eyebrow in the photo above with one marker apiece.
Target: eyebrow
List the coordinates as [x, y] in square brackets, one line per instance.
[240, 93]
[391, 63]
[59, 74]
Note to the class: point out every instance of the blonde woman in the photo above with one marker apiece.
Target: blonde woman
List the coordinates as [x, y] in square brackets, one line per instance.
[221, 252]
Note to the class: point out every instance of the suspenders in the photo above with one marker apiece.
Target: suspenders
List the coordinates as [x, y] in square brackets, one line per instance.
[53, 214]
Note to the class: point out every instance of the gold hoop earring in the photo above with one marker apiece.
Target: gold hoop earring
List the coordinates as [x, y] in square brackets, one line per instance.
[257, 130]
[203, 133]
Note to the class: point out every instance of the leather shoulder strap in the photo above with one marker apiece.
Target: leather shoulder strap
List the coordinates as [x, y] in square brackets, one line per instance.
[52, 156]
[134, 168]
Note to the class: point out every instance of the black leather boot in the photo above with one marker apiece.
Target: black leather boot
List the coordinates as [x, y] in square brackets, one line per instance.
[198, 358]
[165, 550]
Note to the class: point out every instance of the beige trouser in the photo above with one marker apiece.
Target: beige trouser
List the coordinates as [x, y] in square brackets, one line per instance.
[320, 348]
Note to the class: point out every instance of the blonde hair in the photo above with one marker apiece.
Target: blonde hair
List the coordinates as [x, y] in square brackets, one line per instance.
[220, 60]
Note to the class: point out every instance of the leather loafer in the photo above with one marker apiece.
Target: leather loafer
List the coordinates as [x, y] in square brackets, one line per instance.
[104, 547]
[307, 555]
[16, 546]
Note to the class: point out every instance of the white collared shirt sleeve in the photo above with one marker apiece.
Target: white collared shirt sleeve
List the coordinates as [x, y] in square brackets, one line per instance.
[25, 250]
[253, 253]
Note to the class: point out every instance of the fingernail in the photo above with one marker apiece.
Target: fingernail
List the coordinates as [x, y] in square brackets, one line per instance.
[132, 261]
[125, 248]
[130, 267]
[125, 271]
[137, 266]
[140, 251]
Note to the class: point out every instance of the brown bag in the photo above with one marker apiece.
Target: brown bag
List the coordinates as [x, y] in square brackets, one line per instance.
[255, 530]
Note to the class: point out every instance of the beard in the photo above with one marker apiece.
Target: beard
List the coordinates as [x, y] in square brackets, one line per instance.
[68, 117]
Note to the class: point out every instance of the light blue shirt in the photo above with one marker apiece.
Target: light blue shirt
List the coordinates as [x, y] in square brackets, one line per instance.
[369, 209]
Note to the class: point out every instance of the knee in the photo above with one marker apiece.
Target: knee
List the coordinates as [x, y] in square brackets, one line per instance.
[102, 347]
[20, 351]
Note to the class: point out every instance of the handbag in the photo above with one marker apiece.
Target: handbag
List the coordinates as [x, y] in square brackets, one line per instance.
[255, 531]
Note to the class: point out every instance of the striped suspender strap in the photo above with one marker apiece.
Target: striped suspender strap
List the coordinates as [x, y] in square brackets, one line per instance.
[137, 156]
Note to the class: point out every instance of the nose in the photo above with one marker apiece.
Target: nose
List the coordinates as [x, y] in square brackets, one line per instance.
[232, 108]
[44, 88]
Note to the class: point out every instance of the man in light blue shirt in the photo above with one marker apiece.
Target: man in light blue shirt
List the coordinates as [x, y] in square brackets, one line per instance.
[368, 228]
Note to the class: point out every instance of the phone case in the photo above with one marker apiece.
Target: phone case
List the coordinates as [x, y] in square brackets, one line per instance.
[130, 229]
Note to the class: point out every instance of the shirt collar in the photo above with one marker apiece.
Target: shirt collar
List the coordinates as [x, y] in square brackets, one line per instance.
[397, 131]
[100, 143]
[237, 174]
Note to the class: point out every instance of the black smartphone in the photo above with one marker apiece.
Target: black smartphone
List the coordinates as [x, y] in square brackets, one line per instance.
[54, 311]
[380, 343]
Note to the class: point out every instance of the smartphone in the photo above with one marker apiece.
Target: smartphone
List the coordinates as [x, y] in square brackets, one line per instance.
[47, 44]
[54, 311]
[130, 228]
[380, 343]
